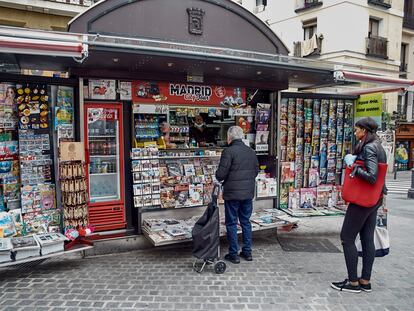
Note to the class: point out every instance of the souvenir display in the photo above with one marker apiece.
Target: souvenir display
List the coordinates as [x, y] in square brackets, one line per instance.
[33, 107]
[146, 178]
[74, 194]
[319, 134]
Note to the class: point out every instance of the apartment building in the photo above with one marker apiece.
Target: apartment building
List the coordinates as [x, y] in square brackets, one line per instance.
[365, 35]
[41, 14]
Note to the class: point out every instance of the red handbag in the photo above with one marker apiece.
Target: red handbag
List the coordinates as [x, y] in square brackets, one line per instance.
[358, 191]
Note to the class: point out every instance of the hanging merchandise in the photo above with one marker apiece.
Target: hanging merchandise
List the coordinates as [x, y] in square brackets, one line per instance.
[319, 134]
[262, 127]
[74, 194]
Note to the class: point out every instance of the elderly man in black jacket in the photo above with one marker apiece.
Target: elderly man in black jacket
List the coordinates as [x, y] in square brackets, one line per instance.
[237, 170]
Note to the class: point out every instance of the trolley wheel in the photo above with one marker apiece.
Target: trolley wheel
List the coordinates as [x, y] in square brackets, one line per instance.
[220, 267]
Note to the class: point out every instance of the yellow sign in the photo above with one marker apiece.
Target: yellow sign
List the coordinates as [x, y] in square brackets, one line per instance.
[369, 105]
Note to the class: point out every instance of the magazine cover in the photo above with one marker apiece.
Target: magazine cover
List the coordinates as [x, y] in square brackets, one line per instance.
[294, 199]
[284, 196]
[189, 170]
[262, 113]
[195, 195]
[313, 178]
[167, 197]
[308, 197]
[174, 169]
[262, 137]
[287, 172]
[325, 196]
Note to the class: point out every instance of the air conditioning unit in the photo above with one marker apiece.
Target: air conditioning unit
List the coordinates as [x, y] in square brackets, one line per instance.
[258, 9]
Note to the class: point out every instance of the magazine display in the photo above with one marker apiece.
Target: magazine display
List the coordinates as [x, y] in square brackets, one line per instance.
[262, 120]
[266, 187]
[315, 135]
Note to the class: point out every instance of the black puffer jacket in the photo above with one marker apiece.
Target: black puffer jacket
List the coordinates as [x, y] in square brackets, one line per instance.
[238, 169]
[372, 154]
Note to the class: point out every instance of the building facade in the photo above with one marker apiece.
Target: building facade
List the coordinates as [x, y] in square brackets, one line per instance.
[364, 35]
[41, 14]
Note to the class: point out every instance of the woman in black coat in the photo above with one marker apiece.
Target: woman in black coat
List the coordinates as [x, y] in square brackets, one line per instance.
[358, 219]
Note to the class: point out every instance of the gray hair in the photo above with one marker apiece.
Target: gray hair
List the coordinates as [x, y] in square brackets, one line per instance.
[235, 132]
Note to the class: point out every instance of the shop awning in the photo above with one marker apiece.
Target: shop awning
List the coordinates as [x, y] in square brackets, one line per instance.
[36, 42]
[348, 76]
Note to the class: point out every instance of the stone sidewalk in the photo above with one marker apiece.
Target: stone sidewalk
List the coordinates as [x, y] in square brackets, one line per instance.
[163, 279]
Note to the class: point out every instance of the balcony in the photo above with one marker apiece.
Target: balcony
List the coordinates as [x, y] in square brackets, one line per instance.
[386, 4]
[403, 70]
[298, 51]
[377, 47]
[307, 5]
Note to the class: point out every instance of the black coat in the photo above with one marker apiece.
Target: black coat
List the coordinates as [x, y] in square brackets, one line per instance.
[238, 169]
[371, 154]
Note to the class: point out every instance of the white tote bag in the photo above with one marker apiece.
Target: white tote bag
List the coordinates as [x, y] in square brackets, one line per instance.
[381, 241]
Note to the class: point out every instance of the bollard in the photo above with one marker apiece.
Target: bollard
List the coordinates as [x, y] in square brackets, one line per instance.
[410, 193]
[395, 171]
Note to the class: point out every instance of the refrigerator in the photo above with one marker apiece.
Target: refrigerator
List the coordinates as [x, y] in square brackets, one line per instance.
[104, 152]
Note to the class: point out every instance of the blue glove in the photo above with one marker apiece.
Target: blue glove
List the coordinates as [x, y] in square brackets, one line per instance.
[350, 159]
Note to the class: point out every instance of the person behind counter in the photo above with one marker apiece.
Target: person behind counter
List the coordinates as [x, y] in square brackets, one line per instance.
[199, 132]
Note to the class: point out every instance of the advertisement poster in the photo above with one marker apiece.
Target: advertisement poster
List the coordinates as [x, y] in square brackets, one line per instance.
[125, 90]
[188, 94]
[369, 105]
[102, 89]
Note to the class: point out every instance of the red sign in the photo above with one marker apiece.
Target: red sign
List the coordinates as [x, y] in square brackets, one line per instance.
[187, 94]
[95, 114]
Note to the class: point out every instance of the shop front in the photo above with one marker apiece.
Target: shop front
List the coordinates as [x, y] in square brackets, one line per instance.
[404, 146]
[153, 100]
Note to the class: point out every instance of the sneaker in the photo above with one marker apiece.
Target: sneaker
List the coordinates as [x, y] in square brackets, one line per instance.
[246, 256]
[346, 286]
[232, 258]
[366, 287]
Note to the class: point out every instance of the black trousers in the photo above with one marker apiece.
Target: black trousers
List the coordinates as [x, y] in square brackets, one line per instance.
[360, 220]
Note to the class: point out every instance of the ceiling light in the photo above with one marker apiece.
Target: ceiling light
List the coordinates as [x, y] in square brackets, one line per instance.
[115, 59]
[217, 68]
[170, 64]
[258, 72]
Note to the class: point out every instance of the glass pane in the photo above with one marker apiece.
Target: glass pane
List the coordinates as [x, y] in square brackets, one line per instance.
[103, 143]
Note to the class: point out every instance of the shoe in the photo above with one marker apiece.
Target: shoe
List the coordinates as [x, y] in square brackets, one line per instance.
[246, 256]
[366, 287]
[346, 286]
[232, 258]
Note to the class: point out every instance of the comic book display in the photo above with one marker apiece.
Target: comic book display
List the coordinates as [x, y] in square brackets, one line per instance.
[315, 136]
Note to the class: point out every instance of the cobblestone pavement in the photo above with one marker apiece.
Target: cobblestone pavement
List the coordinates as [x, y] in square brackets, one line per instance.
[162, 279]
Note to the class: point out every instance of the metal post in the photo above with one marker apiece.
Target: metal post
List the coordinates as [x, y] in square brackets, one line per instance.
[410, 193]
[395, 171]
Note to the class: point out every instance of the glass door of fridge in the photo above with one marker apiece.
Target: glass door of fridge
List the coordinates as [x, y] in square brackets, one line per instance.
[104, 154]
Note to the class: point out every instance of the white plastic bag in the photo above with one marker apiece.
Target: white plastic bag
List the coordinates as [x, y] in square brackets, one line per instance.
[381, 241]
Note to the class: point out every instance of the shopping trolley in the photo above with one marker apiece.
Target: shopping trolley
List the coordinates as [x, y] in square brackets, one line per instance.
[206, 237]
